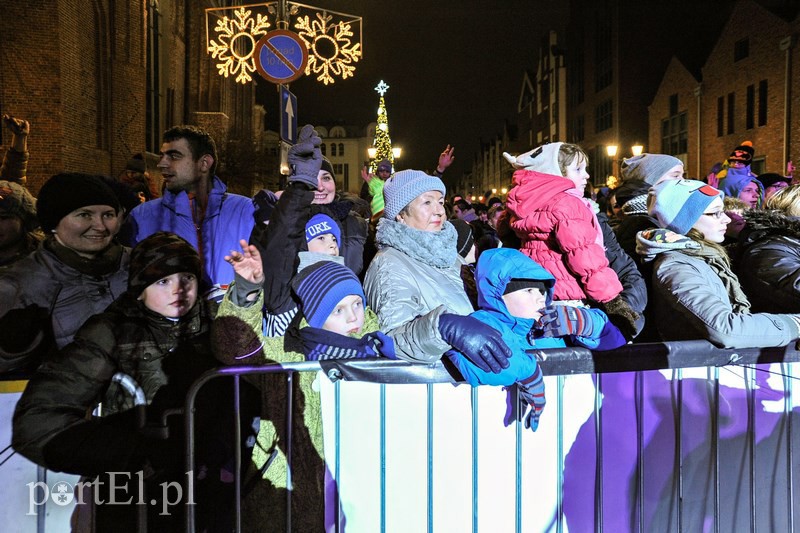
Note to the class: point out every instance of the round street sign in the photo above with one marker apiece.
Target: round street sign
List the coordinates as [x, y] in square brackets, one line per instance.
[281, 56]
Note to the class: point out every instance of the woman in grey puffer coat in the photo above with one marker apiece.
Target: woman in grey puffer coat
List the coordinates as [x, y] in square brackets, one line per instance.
[414, 282]
[696, 294]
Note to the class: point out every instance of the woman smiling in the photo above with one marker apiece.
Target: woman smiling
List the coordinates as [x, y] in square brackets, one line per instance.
[414, 282]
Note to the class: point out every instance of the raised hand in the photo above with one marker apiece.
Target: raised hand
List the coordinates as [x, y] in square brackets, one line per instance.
[305, 157]
[445, 159]
[247, 263]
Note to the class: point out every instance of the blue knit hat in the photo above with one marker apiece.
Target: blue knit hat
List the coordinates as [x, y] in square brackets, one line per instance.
[321, 286]
[678, 204]
[320, 224]
[384, 165]
[404, 186]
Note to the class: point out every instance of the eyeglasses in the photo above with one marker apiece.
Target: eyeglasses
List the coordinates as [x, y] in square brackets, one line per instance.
[716, 214]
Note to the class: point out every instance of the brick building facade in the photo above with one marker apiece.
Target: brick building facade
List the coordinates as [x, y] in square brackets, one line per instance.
[101, 80]
[741, 95]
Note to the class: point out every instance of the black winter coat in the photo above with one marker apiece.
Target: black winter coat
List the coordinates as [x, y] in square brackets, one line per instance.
[767, 262]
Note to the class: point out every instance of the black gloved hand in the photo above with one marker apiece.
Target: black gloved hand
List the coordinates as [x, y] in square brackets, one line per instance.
[478, 342]
[305, 157]
[622, 315]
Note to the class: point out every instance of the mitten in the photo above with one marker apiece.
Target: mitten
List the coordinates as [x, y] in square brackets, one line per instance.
[305, 157]
[531, 393]
[481, 344]
[621, 315]
[563, 320]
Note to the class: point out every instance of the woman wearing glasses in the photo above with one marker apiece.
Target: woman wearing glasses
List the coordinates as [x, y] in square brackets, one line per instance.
[695, 293]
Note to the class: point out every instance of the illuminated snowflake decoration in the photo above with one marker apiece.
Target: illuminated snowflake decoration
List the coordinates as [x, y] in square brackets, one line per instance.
[237, 43]
[331, 51]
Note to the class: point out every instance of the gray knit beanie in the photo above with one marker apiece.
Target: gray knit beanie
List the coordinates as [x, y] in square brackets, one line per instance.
[404, 186]
[648, 167]
[16, 200]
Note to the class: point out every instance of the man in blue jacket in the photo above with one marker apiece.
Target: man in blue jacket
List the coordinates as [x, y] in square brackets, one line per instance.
[196, 205]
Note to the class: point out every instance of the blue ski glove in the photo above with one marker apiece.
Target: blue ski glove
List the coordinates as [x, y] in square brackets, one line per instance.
[478, 342]
[305, 157]
[563, 320]
[531, 393]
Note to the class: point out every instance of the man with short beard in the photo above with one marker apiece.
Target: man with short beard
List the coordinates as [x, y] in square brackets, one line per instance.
[196, 205]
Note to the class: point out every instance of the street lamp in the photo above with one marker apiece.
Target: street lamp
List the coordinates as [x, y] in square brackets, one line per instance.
[372, 152]
[396, 152]
[637, 149]
[611, 150]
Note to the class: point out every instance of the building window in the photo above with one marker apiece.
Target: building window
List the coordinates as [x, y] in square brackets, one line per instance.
[333, 149]
[341, 149]
[342, 172]
[750, 104]
[577, 129]
[720, 116]
[675, 134]
[731, 112]
[762, 103]
[741, 49]
[576, 74]
[322, 148]
[604, 69]
[603, 116]
[673, 104]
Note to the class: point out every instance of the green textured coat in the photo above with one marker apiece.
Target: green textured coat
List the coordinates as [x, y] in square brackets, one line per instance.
[236, 332]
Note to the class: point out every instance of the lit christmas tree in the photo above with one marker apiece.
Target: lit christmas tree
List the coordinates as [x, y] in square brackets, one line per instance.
[382, 142]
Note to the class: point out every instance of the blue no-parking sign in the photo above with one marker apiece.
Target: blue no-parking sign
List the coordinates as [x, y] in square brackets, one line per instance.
[281, 56]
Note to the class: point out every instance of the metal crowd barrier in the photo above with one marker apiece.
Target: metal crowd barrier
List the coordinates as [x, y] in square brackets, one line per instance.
[685, 469]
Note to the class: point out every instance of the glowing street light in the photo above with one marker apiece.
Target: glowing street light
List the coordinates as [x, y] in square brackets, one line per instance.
[637, 149]
[396, 151]
[372, 152]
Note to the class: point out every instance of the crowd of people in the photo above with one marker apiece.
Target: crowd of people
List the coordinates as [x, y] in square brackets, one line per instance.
[100, 276]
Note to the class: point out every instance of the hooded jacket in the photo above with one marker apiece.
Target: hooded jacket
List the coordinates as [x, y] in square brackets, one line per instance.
[496, 267]
[691, 301]
[733, 180]
[560, 233]
[769, 262]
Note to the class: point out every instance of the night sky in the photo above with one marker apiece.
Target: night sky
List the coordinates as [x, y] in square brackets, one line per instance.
[454, 69]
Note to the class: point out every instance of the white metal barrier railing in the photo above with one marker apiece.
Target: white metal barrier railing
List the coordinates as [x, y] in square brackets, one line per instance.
[659, 437]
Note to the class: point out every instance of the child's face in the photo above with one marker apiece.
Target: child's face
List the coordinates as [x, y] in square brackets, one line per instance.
[576, 173]
[324, 244]
[347, 317]
[172, 296]
[525, 303]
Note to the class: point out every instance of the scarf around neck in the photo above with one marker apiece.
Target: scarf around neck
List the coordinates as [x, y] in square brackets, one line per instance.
[721, 268]
[102, 264]
[434, 248]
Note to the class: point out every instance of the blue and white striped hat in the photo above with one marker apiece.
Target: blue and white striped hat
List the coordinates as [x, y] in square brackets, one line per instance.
[321, 286]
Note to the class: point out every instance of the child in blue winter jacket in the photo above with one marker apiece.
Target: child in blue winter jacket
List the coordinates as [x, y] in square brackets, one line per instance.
[515, 298]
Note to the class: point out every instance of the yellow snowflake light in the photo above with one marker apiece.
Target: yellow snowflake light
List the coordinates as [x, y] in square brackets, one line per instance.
[237, 43]
[331, 51]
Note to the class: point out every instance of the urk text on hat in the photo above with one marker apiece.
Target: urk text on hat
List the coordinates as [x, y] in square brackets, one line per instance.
[321, 224]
